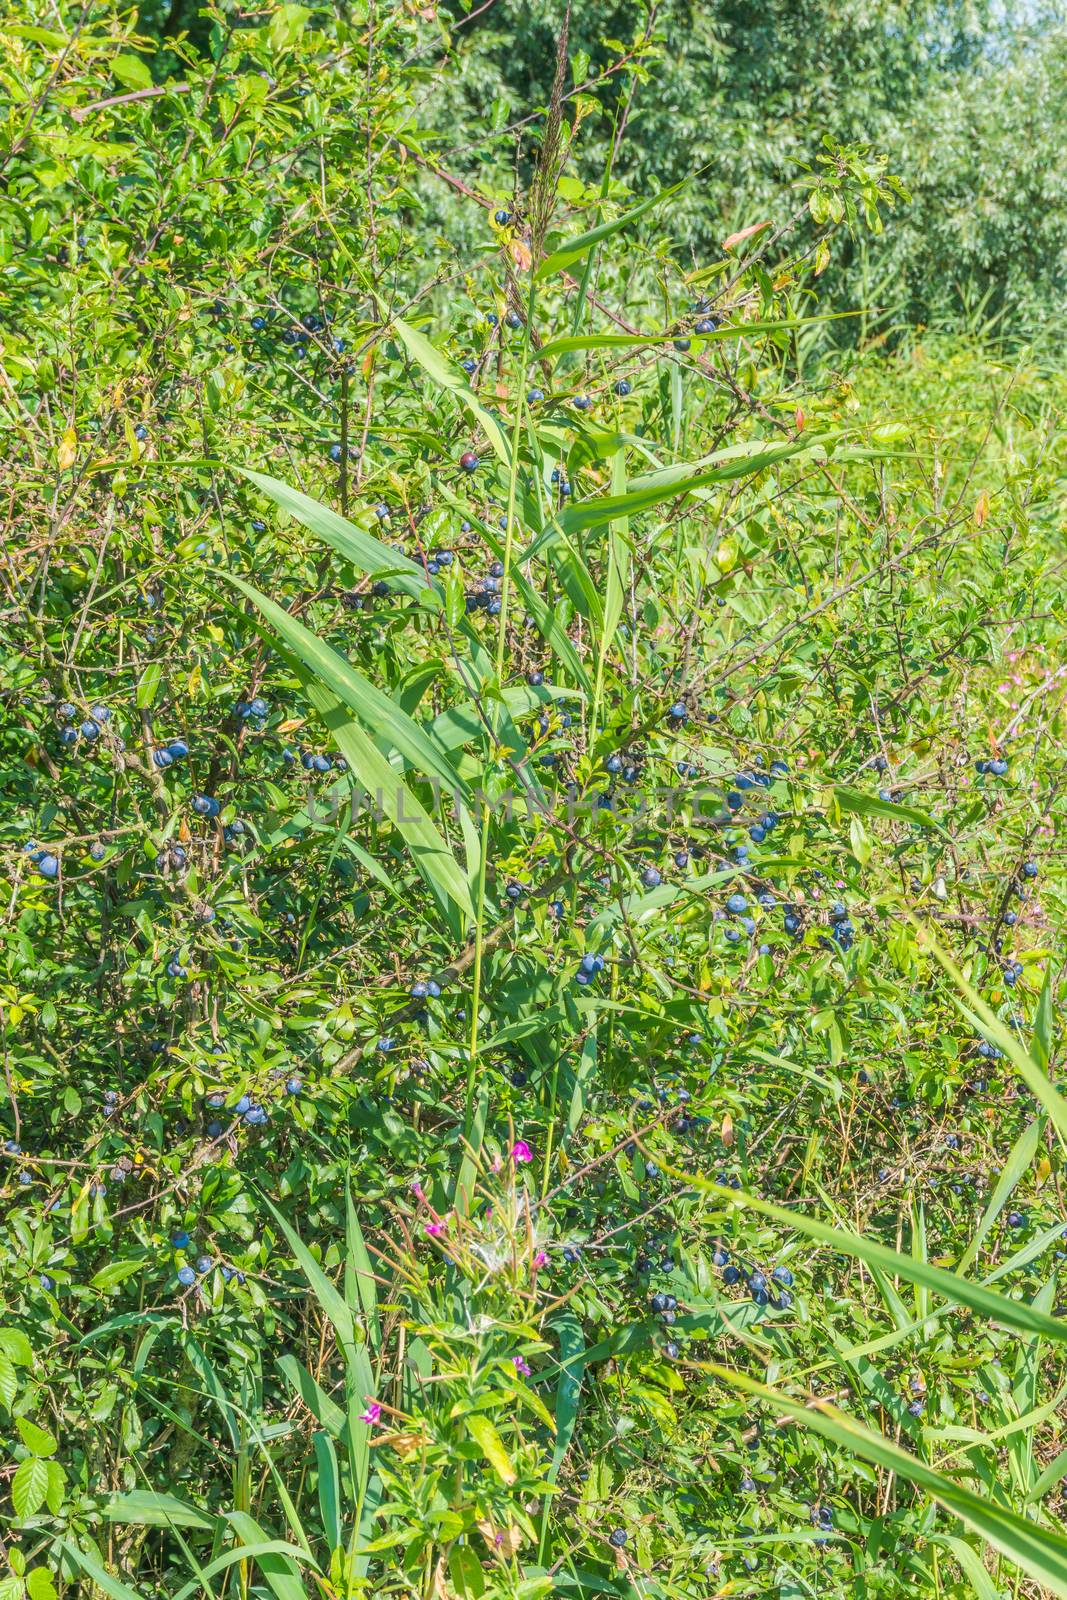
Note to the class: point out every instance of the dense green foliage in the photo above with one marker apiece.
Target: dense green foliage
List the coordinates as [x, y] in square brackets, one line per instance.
[531, 774]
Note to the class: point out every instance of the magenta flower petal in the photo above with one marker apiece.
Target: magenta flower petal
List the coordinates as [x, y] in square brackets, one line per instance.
[521, 1152]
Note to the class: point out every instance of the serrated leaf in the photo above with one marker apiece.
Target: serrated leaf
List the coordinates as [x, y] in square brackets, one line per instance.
[39, 1440]
[29, 1486]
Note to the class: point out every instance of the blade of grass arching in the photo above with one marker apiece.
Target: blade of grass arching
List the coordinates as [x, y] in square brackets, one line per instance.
[1053, 1474]
[103, 1579]
[326, 1293]
[443, 373]
[360, 548]
[378, 711]
[214, 1386]
[380, 780]
[146, 1508]
[361, 1289]
[868, 805]
[894, 1304]
[672, 484]
[329, 1488]
[887, 1341]
[1038, 1551]
[230, 1558]
[322, 1408]
[571, 250]
[969, 1564]
[568, 343]
[988, 1023]
[1019, 1161]
[948, 1285]
[280, 1572]
[285, 1500]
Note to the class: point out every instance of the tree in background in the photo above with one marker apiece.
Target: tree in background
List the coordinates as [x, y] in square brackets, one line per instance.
[951, 92]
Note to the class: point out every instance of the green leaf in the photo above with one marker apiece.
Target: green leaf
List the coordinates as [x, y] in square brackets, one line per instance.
[29, 1486]
[132, 71]
[572, 250]
[1038, 1551]
[91, 1567]
[383, 785]
[868, 805]
[329, 1488]
[145, 1508]
[441, 370]
[466, 1572]
[569, 1392]
[737, 461]
[9, 1383]
[280, 1572]
[491, 1445]
[15, 1344]
[949, 1285]
[40, 1584]
[986, 1021]
[39, 1440]
[377, 710]
[325, 1292]
[318, 1402]
[349, 540]
[1017, 1164]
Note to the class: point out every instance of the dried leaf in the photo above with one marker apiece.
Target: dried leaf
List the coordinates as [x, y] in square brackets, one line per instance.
[981, 509]
[745, 233]
[503, 1542]
[520, 254]
[727, 1134]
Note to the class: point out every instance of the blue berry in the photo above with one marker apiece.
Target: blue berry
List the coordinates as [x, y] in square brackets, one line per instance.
[186, 1276]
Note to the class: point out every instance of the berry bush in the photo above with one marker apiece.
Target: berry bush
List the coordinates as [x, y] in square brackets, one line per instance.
[532, 900]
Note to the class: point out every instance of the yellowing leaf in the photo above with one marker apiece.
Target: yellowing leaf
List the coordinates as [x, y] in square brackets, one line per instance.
[727, 1134]
[491, 1445]
[68, 450]
[981, 509]
[519, 251]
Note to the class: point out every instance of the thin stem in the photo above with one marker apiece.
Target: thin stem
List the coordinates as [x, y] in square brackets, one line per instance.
[501, 645]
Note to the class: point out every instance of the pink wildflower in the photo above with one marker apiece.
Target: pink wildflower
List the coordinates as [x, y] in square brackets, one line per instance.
[520, 1152]
[435, 1228]
[372, 1414]
[521, 1365]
